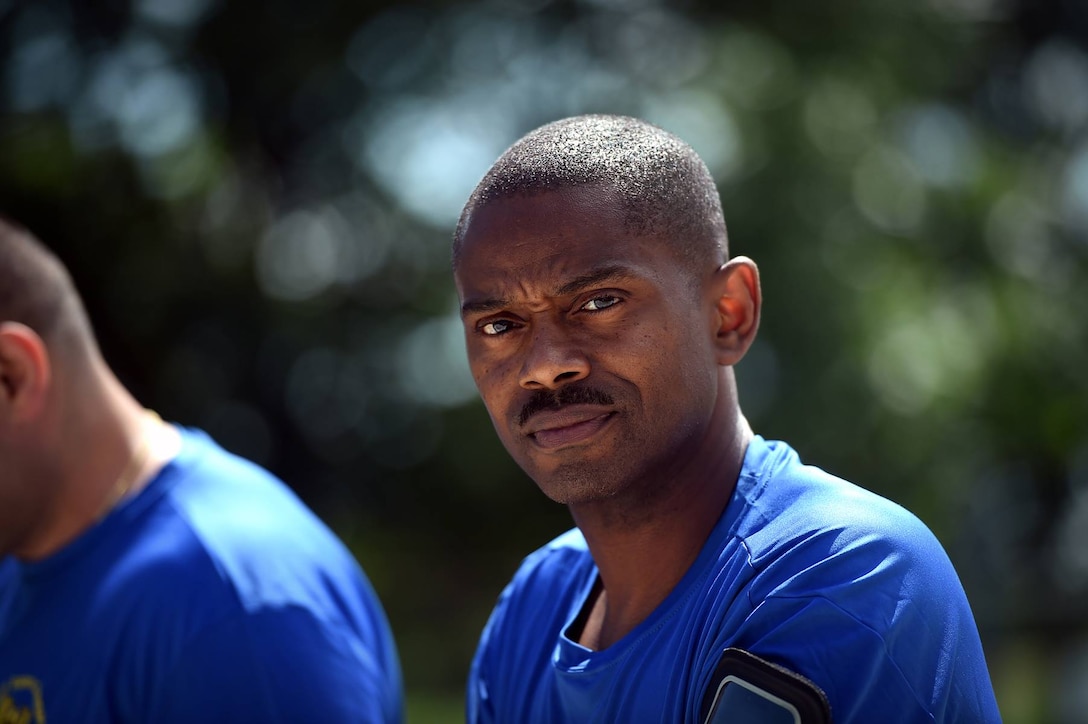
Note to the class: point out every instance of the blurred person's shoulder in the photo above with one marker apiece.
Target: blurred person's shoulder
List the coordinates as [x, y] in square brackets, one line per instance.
[223, 532]
[235, 503]
[232, 573]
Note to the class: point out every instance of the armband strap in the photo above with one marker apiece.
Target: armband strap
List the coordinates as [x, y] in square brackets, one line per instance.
[746, 689]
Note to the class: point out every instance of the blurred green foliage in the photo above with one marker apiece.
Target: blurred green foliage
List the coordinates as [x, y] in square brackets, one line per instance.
[256, 200]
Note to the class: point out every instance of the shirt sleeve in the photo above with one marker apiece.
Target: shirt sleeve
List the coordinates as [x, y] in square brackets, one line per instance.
[278, 665]
[883, 628]
[847, 659]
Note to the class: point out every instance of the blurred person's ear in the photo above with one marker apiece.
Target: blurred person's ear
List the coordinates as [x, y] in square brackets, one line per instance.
[24, 373]
[738, 301]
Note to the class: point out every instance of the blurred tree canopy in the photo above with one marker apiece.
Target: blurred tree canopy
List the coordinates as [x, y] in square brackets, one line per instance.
[256, 200]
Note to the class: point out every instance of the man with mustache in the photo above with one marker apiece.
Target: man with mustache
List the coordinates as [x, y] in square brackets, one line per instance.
[712, 576]
[147, 575]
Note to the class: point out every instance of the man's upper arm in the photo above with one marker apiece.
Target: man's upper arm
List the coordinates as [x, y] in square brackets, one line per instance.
[847, 659]
[921, 667]
[279, 665]
[872, 611]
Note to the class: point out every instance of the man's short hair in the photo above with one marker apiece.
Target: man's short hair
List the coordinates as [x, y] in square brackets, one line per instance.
[35, 288]
[665, 187]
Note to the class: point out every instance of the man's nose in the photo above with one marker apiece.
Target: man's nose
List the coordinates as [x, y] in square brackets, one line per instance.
[553, 359]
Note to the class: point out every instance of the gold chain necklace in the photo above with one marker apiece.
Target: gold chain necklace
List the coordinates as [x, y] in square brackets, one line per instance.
[135, 464]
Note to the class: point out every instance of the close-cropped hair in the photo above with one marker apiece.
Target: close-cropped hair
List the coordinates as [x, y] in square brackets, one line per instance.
[665, 188]
[35, 288]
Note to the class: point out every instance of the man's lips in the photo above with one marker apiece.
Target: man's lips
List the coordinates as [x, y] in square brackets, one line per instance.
[555, 428]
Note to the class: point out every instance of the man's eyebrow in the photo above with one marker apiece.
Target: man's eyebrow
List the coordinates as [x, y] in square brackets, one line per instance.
[482, 306]
[614, 272]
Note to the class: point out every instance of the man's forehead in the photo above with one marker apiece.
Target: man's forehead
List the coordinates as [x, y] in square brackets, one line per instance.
[541, 243]
[541, 211]
[544, 232]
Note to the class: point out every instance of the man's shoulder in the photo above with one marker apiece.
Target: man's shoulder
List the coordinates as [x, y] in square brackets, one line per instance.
[548, 582]
[231, 523]
[792, 505]
[232, 502]
[534, 607]
[808, 532]
[555, 561]
[209, 470]
[831, 561]
[221, 571]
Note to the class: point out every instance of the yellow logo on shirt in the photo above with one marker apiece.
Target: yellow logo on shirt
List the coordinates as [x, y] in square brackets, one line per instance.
[21, 701]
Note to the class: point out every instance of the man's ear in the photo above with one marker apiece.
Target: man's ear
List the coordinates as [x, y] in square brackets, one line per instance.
[737, 306]
[25, 372]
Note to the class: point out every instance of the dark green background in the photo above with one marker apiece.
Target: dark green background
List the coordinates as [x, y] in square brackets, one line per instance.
[256, 199]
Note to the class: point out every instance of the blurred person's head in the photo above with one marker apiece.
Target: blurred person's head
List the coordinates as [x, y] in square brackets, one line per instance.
[601, 316]
[37, 292]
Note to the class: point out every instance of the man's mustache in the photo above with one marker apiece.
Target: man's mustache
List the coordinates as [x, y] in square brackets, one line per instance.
[555, 399]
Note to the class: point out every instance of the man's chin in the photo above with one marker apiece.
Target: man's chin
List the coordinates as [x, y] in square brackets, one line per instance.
[575, 485]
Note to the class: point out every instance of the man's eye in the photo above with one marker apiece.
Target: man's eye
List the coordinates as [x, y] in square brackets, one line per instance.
[598, 303]
[497, 327]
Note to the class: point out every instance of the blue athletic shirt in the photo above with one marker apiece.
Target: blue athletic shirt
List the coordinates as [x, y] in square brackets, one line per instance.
[214, 595]
[803, 569]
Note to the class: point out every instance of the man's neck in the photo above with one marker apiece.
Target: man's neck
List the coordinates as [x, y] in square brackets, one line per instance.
[104, 439]
[643, 549]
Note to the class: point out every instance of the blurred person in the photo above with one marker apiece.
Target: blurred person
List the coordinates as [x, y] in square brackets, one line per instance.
[712, 575]
[147, 575]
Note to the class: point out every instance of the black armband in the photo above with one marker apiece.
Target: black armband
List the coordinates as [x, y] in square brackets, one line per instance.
[746, 689]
